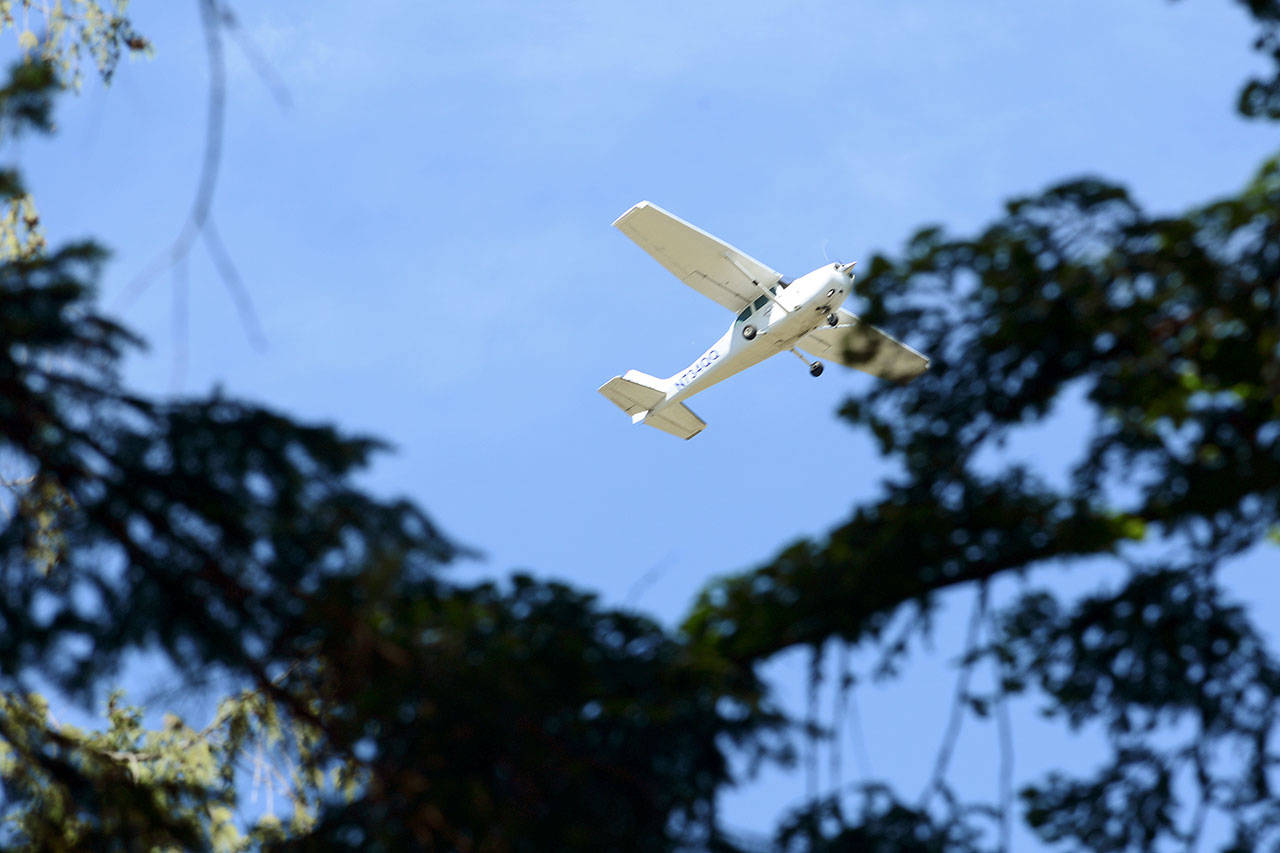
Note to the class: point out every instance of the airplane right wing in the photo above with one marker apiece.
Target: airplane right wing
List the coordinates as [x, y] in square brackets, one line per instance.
[862, 346]
[705, 263]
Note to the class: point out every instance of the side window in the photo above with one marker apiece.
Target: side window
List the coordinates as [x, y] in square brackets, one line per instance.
[759, 303]
[746, 312]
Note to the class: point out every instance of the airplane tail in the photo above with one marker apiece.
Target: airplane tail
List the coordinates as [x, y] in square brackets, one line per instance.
[638, 394]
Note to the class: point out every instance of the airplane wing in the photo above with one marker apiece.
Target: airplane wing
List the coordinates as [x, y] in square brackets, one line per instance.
[860, 345]
[708, 265]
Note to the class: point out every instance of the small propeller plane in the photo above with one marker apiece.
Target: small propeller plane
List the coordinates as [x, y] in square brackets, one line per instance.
[774, 314]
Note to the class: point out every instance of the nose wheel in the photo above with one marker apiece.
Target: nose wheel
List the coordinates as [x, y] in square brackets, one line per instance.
[815, 367]
[832, 319]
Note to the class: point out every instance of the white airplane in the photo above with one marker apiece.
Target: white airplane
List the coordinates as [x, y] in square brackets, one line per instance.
[774, 314]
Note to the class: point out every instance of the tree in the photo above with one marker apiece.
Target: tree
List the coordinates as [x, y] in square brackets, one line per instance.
[408, 711]
[411, 711]
[1170, 327]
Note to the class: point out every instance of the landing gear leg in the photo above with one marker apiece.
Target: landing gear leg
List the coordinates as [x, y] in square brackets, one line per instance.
[815, 367]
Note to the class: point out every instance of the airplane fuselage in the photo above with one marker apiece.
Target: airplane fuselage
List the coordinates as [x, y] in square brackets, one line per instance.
[764, 329]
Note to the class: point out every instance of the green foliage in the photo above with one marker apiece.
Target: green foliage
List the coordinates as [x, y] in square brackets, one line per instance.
[126, 786]
[1130, 805]
[518, 718]
[1170, 329]
[881, 824]
[70, 31]
[1260, 97]
[25, 104]
[232, 537]
[396, 710]
[72, 790]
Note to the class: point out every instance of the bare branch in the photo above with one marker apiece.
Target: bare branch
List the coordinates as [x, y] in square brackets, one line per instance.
[234, 284]
[958, 701]
[215, 121]
[214, 17]
[844, 683]
[647, 579]
[811, 723]
[180, 335]
[1004, 727]
[257, 59]
[860, 753]
[1205, 783]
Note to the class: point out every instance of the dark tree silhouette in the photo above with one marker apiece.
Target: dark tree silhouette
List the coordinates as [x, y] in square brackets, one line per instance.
[1170, 328]
[232, 537]
[412, 712]
[1260, 97]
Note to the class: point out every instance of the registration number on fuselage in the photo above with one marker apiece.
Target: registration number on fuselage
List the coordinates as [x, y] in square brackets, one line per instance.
[694, 370]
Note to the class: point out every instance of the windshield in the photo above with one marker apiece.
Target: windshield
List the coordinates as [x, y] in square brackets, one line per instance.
[760, 301]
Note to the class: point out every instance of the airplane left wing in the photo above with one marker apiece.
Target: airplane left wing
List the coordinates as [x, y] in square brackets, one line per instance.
[862, 346]
[705, 263]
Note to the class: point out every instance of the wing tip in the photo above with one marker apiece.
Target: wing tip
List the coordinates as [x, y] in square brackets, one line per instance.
[631, 211]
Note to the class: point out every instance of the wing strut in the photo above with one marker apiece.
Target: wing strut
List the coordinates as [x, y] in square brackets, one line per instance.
[731, 259]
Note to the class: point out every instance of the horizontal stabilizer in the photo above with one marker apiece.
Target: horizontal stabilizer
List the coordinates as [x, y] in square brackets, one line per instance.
[634, 397]
[638, 394]
[679, 420]
[862, 346]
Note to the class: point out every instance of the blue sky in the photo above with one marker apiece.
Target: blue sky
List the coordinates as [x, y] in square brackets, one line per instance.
[425, 233]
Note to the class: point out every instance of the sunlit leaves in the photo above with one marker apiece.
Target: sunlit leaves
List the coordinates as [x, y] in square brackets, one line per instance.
[21, 237]
[73, 32]
[174, 786]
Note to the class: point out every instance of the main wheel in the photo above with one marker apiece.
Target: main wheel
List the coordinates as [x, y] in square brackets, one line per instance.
[749, 332]
[833, 320]
[815, 369]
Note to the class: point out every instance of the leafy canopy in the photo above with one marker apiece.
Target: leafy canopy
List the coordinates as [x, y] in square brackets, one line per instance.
[399, 710]
[1169, 329]
[402, 710]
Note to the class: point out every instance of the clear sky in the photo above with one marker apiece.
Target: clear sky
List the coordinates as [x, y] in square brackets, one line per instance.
[425, 233]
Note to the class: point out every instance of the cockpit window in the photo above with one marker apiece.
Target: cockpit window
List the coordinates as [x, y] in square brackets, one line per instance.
[759, 303]
[746, 312]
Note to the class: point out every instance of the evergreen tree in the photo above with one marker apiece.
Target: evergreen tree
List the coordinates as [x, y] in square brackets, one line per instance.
[406, 711]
